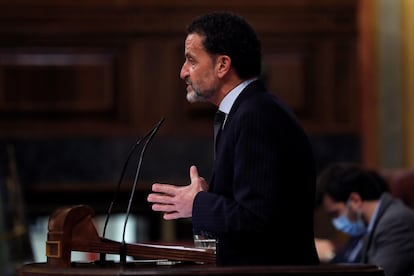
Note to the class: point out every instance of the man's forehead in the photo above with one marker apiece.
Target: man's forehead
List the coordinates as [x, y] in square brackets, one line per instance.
[333, 208]
[193, 41]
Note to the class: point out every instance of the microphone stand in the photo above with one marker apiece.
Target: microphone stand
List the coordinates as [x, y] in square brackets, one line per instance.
[149, 135]
[123, 249]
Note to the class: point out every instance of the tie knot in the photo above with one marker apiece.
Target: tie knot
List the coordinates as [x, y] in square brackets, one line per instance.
[219, 117]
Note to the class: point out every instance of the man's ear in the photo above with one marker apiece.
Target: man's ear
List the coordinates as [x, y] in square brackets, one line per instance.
[223, 65]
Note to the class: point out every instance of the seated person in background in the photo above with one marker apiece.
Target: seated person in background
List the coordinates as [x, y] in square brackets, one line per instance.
[350, 251]
[359, 204]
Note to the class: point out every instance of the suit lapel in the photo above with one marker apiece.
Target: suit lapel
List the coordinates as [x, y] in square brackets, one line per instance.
[252, 88]
[386, 201]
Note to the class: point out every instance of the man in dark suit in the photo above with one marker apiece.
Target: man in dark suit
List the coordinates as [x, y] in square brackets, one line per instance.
[259, 202]
[358, 206]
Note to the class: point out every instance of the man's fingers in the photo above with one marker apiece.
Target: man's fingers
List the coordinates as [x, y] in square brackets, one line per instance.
[163, 188]
[160, 198]
[193, 173]
[167, 208]
[169, 211]
[171, 215]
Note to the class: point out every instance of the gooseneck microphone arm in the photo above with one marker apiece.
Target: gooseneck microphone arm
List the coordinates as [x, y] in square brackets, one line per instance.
[119, 184]
[117, 189]
[123, 250]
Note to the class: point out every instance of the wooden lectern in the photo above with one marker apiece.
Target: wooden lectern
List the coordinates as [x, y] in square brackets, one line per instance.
[71, 229]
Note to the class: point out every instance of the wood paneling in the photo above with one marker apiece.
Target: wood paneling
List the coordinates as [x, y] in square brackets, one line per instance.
[47, 82]
[112, 67]
[367, 99]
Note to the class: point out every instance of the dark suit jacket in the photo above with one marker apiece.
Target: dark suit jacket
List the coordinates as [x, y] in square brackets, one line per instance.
[390, 244]
[261, 197]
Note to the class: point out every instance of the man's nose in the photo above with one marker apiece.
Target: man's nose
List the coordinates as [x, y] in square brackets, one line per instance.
[184, 72]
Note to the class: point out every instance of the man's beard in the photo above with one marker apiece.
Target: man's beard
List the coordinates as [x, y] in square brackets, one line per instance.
[195, 95]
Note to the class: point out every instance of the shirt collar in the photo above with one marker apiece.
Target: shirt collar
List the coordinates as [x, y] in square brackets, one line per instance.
[231, 97]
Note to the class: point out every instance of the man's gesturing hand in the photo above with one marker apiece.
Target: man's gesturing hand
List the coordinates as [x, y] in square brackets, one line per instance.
[177, 201]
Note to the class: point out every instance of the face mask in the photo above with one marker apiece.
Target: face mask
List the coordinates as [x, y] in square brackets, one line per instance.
[352, 228]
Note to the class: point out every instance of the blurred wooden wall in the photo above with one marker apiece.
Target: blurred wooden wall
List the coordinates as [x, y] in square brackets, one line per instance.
[112, 67]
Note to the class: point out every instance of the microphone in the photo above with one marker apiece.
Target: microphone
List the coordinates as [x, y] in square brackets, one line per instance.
[123, 249]
[148, 137]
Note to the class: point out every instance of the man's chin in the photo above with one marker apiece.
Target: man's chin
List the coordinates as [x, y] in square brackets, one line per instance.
[192, 97]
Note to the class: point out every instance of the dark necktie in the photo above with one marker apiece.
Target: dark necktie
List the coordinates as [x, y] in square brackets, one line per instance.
[218, 125]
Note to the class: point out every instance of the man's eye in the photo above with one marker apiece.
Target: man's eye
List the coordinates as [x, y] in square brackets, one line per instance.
[191, 60]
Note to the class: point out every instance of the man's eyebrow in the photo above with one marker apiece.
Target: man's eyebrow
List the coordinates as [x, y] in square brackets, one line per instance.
[189, 55]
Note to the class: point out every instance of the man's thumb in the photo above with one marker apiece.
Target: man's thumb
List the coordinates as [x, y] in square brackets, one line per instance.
[193, 173]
